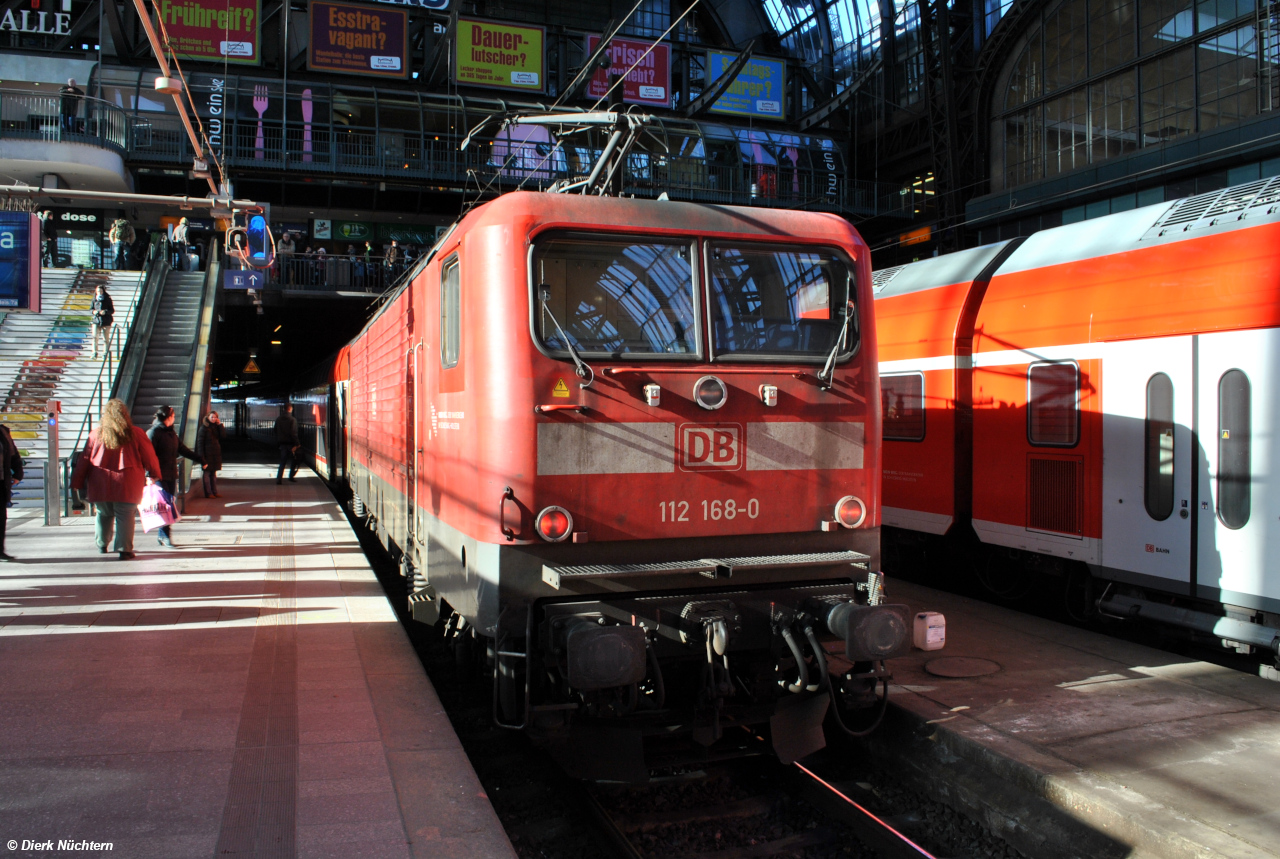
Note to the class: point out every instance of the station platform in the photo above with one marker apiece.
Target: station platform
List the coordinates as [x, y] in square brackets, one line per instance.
[247, 694]
[1083, 745]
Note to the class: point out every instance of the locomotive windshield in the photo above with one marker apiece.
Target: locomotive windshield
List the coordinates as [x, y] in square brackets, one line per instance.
[616, 297]
[781, 302]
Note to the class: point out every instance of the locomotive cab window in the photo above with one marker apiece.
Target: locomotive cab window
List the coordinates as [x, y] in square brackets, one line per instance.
[902, 404]
[614, 297]
[782, 302]
[450, 314]
[1234, 432]
[1053, 404]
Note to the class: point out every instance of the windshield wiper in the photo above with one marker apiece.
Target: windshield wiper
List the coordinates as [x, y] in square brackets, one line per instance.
[583, 370]
[828, 371]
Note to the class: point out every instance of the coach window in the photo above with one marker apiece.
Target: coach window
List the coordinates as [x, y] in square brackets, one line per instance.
[1233, 449]
[623, 297]
[782, 303]
[902, 402]
[450, 314]
[1053, 404]
[1158, 471]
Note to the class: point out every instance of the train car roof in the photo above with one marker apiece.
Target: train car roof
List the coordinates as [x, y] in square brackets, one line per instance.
[1229, 209]
[934, 272]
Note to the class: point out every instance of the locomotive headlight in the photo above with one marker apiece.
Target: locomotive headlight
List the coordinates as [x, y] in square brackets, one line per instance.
[850, 511]
[710, 393]
[554, 524]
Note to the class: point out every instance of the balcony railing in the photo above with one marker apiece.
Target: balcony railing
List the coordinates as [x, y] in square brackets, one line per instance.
[437, 158]
[63, 119]
[336, 272]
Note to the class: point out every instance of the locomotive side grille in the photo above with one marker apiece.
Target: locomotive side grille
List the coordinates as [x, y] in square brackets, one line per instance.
[1054, 497]
[880, 279]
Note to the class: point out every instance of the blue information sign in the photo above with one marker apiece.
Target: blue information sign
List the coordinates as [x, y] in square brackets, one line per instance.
[19, 261]
[760, 89]
[247, 279]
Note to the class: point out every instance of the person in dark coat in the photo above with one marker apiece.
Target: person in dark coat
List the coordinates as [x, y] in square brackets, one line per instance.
[209, 449]
[287, 438]
[49, 234]
[72, 95]
[10, 473]
[112, 471]
[168, 448]
[103, 315]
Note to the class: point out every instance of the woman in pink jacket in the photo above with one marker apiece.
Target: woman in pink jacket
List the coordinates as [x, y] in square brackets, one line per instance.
[114, 467]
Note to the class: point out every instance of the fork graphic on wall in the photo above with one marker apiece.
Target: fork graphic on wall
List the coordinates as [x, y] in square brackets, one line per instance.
[260, 103]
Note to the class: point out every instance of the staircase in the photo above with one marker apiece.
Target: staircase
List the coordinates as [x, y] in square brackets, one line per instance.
[166, 374]
[48, 355]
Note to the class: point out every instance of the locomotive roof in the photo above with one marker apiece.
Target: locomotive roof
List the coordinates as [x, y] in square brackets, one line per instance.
[584, 211]
[1221, 211]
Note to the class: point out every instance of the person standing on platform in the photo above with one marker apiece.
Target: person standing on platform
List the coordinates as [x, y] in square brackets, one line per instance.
[72, 95]
[392, 261]
[10, 473]
[103, 315]
[287, 438]
[121, 237]
[285, 249]
[113, 469]
[168, 447]
[366, 274]
[179, 241]
[209, 449]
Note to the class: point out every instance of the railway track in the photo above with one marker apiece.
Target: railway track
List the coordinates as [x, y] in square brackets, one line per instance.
[757, 809]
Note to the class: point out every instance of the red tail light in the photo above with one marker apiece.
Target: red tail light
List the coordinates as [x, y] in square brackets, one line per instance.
[850, 511]
[554, 524]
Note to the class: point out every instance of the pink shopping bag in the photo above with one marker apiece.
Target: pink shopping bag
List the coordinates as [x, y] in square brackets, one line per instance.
[157, 508]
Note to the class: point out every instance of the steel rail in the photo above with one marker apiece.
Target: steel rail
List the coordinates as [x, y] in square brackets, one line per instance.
[882, 837]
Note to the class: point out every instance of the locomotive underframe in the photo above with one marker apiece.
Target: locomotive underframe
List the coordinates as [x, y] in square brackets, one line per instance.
[500, 591]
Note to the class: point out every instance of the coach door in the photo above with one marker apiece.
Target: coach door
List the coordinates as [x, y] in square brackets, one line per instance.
[1239, 534]
[412, 450]
[1147, 501]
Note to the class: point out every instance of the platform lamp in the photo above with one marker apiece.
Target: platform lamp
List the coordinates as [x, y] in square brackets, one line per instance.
[52, 485]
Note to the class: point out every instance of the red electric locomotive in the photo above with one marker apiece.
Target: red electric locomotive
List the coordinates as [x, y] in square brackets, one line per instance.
[1094, 401]
[630, 446]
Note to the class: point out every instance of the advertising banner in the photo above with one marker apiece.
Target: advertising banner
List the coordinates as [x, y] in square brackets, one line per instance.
[758, 90]
[504, 56]
[407, 234]
[19, 261]
[358, 40]
[648, 83]
[214, 30]
[353, 231]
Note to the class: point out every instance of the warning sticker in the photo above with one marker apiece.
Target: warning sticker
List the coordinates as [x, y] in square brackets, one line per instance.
[561, 389]
[251, 367]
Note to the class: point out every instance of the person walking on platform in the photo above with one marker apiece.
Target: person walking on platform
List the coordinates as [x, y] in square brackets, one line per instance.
[49, 233]
[209, 449]
[10, 473]
[103, 315]
[287, 438]
[285, 249]
[112, 469]
[168, 447]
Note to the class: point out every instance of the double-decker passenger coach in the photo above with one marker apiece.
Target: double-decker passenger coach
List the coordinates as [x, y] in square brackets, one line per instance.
[630, 448]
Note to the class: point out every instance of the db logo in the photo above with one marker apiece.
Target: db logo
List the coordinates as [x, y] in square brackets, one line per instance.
[710, 447]
[1151, 547]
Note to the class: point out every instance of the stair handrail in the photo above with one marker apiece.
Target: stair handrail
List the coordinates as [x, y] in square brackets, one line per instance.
[107, 368]
[194, 404]
[134, 356]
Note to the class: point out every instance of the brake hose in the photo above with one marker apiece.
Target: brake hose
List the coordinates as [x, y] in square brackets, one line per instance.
[800, 663]
[820, 657]
[835, 711]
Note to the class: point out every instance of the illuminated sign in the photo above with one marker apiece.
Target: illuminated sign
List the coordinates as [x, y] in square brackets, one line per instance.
[19, 260]
[39, 21]
[758, 90]
[215, 30]
[360, 40]
[648, 83]
[490, 54]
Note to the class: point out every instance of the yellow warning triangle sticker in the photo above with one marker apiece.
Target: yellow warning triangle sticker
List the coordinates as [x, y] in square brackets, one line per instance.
[252, 367]
[561, 389]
